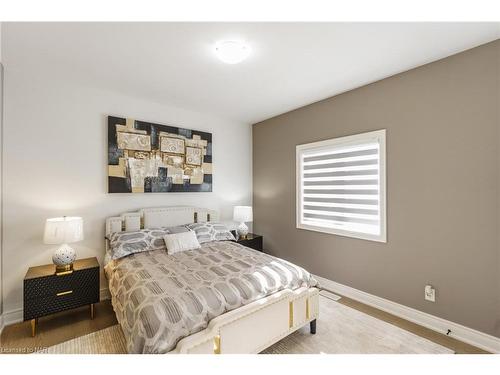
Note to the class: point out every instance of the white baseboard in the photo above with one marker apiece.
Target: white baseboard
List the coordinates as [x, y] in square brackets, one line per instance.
[458, 331]
[12, 317]
[105, 294]
[16, 316]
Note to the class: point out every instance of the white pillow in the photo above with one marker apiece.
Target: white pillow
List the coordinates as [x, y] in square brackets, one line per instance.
[177, 242]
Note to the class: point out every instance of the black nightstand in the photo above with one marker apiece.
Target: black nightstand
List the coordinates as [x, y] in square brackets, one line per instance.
[47, 291]
[253, 241]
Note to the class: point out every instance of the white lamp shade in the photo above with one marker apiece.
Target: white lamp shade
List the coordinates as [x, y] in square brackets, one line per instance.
[61, 230]
[242, 214]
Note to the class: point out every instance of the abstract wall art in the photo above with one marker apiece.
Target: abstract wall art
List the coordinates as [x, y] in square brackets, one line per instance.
[144, 157]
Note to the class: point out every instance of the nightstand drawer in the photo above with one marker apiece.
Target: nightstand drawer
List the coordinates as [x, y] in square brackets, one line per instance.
[51, 285]
[63, 300]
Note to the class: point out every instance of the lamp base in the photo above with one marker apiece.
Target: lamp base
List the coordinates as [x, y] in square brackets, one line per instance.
[63, 258]
[64, 268]
[242, 231]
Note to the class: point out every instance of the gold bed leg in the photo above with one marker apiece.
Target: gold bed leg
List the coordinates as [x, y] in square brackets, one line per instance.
[33, 327]
[290, 319]
[307, 309]
[92, 311]
[217, 344]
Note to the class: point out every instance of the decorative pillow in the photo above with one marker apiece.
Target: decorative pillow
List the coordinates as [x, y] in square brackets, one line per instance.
[206, 232]
[177, 242]
[122, 244]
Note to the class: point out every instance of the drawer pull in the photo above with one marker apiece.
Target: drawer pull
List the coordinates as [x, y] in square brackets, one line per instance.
[64, 273]
[64, 293]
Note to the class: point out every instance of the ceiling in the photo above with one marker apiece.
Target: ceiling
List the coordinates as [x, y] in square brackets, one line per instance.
[291, 65]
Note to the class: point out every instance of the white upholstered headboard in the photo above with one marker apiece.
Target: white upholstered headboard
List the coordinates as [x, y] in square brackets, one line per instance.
[159, 217]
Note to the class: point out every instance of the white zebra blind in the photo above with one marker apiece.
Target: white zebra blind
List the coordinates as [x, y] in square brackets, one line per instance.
[341, 186]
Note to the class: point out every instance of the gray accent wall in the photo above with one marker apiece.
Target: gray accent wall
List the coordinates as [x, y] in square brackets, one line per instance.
[443, 187]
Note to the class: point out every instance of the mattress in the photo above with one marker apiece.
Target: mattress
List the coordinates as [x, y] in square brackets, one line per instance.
[160, 299]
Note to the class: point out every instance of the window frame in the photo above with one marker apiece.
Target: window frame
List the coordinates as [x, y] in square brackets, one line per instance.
[377, 135]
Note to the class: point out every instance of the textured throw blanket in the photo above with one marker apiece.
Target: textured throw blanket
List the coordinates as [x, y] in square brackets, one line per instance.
[160, 299]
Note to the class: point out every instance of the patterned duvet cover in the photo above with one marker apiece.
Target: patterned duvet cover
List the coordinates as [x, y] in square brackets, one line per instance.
[160, 299]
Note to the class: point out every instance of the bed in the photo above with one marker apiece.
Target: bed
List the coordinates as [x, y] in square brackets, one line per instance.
[222, 298]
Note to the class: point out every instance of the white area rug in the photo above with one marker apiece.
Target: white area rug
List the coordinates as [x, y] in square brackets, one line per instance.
[340, 329]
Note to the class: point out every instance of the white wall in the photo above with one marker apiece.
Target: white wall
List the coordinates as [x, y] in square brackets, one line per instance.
[55, 156]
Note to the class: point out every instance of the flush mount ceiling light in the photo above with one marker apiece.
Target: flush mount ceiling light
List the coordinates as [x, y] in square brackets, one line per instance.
[231, 51]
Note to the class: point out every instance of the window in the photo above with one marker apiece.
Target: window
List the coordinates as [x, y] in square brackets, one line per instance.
[341, 186]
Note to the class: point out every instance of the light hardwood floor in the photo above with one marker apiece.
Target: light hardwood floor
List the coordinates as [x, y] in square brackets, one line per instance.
[56, 328]
[457, 346]
[67, 325]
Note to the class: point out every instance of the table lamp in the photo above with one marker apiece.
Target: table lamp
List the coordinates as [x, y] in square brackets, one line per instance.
[62, 231]
[242, 214]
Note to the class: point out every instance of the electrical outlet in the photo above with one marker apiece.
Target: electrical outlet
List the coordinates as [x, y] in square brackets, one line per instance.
[430, 293]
